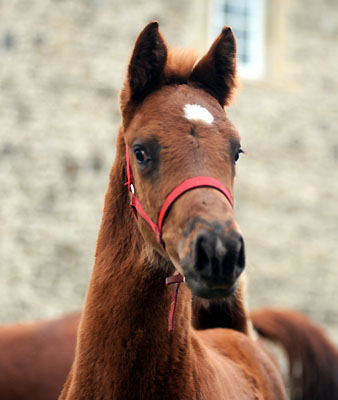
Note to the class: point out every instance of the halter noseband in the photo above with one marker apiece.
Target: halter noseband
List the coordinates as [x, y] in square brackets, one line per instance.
[183, 187]
[188, 184]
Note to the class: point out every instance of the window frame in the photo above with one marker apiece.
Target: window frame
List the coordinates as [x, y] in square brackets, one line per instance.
[254, 67]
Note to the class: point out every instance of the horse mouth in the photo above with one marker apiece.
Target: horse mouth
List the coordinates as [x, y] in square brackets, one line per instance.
[207, 290]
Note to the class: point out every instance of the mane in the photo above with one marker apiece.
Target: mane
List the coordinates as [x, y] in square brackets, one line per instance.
[179, 65]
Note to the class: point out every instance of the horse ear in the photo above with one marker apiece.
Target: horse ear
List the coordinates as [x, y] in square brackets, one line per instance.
[216, 71]
[147, 63]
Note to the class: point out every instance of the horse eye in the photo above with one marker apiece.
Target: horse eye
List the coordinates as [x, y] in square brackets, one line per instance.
[141, 155]
[237, 155]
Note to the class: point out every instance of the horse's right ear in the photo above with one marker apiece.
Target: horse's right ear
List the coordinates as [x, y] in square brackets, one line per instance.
[146, 64]
[216, 71]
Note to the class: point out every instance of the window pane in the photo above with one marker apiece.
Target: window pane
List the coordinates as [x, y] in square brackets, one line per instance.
[246, 17]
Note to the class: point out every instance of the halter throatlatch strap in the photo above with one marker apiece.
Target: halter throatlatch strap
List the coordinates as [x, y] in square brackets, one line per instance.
[188, 184]
[175, 280]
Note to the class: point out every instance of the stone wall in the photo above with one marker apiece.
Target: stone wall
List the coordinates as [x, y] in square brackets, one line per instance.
[62, 65]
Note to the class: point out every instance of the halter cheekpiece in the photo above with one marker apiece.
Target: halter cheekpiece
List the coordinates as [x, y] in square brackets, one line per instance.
[179, 190]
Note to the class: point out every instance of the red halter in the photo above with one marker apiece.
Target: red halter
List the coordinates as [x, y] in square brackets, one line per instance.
[188, 184]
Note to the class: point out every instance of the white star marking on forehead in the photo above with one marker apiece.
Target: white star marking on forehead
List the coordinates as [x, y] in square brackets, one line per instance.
[194, 111]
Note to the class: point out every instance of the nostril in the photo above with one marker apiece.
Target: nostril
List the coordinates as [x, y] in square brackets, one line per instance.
[241, 255]
[218, 258]
[202, 259]
[234, 260]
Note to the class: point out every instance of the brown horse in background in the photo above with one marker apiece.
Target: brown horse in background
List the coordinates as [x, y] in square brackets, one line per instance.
[313, 359]
[36, 357]
[175, 129]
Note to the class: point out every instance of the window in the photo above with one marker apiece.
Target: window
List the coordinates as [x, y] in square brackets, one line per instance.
[246, 18]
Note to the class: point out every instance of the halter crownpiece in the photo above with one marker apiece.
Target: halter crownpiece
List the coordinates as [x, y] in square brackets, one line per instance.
[179, 190]
[188, 184]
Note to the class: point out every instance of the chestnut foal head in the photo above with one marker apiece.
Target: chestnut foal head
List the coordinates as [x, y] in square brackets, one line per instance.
[175, 129]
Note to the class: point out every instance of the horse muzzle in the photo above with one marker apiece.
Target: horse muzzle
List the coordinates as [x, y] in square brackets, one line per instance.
[212, 258]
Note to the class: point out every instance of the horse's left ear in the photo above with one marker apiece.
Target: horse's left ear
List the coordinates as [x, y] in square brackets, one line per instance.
[216, 71]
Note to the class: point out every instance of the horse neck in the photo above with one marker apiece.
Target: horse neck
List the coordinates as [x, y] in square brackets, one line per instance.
[124, 347]
[229, 313]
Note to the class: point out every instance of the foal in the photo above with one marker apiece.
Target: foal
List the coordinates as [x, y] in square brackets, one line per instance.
[175, 163]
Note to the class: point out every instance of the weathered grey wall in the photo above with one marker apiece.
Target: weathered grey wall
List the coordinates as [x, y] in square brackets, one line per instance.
[61, 67]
